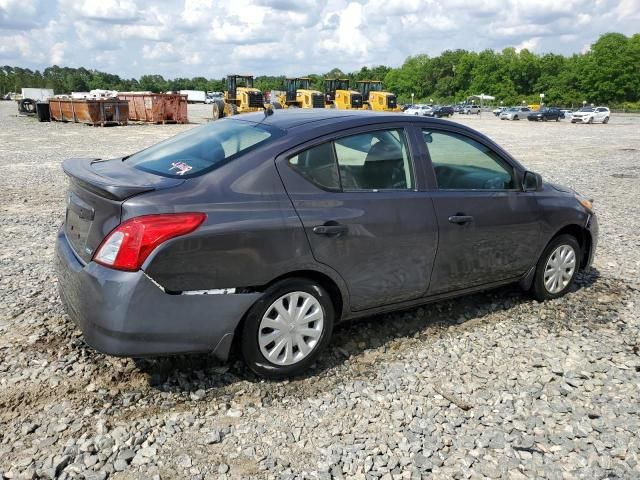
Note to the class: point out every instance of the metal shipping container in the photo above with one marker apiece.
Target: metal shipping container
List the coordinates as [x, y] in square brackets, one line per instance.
[110, 111]
[156, 107]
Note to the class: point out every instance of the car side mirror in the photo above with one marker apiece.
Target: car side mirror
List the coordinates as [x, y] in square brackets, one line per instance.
[531, 181]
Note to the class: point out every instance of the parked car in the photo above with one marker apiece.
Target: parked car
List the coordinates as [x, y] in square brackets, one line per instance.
[545, 114]
[405, 107]
[419, 110]
[265, 230]
[566, 113]
[515, 113]
[591, 115]
[440, 111]
[498, 111]
[471, 110]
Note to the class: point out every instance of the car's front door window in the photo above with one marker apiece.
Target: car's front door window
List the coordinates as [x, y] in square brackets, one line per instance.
[375, 161]
[461, 163]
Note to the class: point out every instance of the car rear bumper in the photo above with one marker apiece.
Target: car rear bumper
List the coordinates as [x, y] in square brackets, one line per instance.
[127, 314]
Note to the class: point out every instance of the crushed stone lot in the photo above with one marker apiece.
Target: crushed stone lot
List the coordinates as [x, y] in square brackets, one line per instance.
[494, 385]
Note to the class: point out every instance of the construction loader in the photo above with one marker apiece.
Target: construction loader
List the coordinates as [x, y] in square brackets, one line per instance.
[238, 99]
[339, 95]
[297, 94]
[375, 98]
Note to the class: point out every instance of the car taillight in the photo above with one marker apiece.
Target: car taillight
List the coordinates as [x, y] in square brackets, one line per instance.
[129, 245]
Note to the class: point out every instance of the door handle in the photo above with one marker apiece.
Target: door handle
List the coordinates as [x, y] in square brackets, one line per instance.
[460, 219]
[330, 230]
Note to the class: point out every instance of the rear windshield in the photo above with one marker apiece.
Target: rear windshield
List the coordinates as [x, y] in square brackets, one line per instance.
[201, 149]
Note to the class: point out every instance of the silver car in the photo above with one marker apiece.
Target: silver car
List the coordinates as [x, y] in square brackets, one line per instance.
[515, 113]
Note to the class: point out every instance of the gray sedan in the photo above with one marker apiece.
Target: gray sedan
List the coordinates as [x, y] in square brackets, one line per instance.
[515, 113]
[263, 231]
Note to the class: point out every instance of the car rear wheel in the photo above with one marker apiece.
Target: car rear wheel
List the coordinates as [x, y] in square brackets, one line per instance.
[557, 268]
[285, 331]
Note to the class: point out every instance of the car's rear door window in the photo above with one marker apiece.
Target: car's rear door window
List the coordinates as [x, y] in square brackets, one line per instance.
[318, 165]
[201, 149]
[376, 160]
[461, 163]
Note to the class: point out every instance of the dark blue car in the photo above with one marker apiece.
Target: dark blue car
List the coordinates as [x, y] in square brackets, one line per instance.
[270, 229]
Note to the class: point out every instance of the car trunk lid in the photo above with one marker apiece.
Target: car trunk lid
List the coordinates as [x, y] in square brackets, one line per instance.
[97, 189]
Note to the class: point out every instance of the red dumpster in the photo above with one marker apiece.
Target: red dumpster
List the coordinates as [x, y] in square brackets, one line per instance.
[96, 112]
[156, 107]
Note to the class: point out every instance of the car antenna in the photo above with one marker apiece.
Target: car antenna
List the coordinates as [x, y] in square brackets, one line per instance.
[268, 111]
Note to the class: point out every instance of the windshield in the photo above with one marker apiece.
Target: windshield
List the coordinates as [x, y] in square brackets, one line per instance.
[587, 109]
[201, 149]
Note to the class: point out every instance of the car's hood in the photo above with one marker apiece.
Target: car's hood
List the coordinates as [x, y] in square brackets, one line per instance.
[561, 188]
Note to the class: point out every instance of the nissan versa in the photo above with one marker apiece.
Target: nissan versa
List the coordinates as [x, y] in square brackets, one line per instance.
[266, 230]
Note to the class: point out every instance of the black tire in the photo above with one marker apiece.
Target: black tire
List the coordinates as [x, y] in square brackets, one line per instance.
[250, 348]
[538, 288]
[606, 120]
[516, 118]
[27, 106]
[217, 109]
[590, 120]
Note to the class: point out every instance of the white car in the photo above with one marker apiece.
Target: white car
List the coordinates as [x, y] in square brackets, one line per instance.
[515, 113]
[591, 115]
[419, 110]
[471, 110]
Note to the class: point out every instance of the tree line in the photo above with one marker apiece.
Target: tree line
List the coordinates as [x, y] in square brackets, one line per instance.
[608, 73]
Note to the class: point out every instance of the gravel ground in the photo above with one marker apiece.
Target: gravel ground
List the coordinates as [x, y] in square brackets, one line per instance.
[495, 385]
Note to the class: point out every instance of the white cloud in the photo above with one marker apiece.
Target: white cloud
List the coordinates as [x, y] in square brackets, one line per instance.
[109, 11]
[531, 45]
[57, 52]
[292, 37]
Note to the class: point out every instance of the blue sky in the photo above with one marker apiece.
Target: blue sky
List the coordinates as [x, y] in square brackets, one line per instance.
[212, 38]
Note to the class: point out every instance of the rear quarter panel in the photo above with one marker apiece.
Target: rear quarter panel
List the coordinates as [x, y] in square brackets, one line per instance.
[251, 235]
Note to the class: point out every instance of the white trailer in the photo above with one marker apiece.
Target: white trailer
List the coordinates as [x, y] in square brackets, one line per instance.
[37, 94]
[194, 96]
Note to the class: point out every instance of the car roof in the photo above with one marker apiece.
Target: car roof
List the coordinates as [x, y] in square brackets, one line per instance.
[293, 117]
[286, 119]
[306, 123]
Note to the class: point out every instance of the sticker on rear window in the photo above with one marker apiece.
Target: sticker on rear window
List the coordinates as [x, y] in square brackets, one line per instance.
[180, 168]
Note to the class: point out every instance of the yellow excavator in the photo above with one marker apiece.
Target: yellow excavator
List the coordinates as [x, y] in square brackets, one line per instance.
[297, 94]
[339, 95]
[375, 98]
[238, 99]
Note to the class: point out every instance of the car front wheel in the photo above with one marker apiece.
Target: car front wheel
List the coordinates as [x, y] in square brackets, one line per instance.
[285, 331]
[557, 268]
